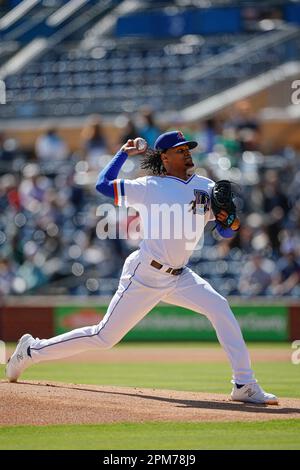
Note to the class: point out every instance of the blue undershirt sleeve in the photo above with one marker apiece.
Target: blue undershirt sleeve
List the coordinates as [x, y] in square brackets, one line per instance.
[107, 176]
[225, 232]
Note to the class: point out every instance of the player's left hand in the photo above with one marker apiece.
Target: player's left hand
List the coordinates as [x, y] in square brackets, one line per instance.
[228, 220]
[223, 206]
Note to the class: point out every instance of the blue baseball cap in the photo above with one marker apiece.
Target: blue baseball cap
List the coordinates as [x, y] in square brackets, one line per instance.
[173, 139]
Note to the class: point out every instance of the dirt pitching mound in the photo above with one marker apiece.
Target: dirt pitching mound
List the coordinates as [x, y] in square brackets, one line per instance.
[41, 403]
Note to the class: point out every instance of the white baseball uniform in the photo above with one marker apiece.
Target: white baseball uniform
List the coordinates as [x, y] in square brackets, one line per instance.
[142, 285]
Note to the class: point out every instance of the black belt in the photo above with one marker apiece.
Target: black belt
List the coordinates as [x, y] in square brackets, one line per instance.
[175, 272]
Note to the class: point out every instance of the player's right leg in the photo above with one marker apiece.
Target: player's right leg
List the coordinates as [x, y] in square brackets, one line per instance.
[196, 294]
[132, 301]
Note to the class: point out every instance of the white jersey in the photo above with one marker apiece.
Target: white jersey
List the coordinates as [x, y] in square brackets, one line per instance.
[182, 206]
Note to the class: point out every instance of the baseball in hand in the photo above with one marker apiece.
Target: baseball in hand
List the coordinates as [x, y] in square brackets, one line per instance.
[140, 144]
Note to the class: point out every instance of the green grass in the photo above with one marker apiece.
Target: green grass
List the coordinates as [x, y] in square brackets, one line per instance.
[280, 378]
[262, 435]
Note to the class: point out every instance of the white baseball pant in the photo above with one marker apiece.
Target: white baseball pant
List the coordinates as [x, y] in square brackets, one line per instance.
[140, 288]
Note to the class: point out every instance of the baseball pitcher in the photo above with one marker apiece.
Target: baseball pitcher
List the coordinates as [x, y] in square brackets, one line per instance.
[157, 271]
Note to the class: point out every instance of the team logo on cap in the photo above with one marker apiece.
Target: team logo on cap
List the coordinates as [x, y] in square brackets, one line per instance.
[180, 135]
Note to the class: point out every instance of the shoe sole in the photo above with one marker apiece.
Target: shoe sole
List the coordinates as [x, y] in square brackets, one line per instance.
[272, 402]
[269, 402]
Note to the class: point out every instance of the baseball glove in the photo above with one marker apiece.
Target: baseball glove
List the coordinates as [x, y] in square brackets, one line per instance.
[223, 206]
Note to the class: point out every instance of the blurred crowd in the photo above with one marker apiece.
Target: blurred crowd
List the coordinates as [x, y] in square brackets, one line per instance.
[48, 203]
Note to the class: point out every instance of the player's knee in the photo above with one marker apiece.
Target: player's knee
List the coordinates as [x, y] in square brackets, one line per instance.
[221, 307]
[217, 308]
[222, 302]
[108, 342]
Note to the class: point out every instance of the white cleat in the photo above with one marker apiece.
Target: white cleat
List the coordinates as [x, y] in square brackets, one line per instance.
[253, 393]
[20, 359]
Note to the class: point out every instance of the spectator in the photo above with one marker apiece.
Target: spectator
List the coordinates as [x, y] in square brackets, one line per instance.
[247, 127]
[287, 277]
[130, 130]
[208, 135]
[13, 196]
[10, 196]
[275, 206]
[32, 188]
[8, 148]
[51, 147]
[7, 276]
[149, 129]
[230, 142]
[256, 275]
[94, 142]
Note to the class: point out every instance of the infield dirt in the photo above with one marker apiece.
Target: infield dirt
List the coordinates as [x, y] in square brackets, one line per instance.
[43, 403]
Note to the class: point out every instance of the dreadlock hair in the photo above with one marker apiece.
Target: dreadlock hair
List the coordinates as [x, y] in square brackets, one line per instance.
[152, 161]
